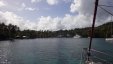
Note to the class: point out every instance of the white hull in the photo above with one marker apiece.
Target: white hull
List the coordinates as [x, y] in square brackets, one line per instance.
[109, 39]
[77, 36]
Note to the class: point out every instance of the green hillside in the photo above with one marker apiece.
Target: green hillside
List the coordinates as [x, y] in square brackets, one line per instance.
[12, 31]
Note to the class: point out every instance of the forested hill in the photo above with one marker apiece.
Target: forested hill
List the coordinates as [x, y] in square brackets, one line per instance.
[105, 30]
[12, 32]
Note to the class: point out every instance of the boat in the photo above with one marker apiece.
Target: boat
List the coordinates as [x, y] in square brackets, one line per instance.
[90, 55]
[109, 39]
[77, 36]
[88, 37]
[95, 57]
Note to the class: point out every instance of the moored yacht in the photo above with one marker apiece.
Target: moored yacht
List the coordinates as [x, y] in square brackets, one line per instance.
[109, 39]
[77, 36]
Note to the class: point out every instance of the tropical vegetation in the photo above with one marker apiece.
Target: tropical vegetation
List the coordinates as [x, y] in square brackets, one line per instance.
[13, 32]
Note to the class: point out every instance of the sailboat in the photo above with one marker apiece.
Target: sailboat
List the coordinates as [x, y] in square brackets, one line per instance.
[92, 56]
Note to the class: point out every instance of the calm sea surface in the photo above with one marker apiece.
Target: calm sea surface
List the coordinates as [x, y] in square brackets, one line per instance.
[49, 50]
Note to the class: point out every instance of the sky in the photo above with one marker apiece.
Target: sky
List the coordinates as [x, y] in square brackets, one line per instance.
[52, 14]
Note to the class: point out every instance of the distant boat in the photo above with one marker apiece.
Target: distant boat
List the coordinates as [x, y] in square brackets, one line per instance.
[24, 37]
[88, 37]
[77, 36]
[109, 39]
[111, 35]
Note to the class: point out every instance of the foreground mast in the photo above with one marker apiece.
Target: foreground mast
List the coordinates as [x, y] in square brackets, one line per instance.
[93, 26]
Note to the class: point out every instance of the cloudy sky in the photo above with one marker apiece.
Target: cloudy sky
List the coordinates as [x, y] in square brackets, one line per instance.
[52, 14]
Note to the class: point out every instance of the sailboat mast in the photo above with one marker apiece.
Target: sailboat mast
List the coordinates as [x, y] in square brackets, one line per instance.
[93, 25]
[111, 28]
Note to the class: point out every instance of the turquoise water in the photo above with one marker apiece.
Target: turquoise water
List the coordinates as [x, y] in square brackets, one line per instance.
[49, 50]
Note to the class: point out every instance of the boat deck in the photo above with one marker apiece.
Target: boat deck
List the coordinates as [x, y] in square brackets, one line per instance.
[96, 57]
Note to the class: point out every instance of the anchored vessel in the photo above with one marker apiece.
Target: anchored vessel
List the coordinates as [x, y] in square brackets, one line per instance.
[77, 36]
[109, 39]
[111, 34]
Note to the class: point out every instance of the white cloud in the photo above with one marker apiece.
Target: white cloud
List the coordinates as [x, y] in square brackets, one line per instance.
[75, 6]
[10, 17]
[48, 23]
[86, 8]
[2, 3]
[30, 9]
[24, 7]
[52, 2]
[33, 1]
[82, 19]
[44, 23]
[71, 22]
[66, 23]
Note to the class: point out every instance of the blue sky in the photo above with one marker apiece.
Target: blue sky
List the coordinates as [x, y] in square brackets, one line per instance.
[51, 14]
[42, 8]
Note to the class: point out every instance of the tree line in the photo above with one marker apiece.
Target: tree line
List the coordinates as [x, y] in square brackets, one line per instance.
[13, 32]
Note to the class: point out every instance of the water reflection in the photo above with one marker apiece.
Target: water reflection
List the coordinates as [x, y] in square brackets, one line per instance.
[4, 52]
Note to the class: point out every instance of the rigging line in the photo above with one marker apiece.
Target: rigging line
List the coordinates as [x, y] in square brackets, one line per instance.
[108, 13]
[106, 10]
[105, 6]
[100, 58]
[111, 26]
[93, 50]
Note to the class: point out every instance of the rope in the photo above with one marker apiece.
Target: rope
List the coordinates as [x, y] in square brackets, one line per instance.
[100, 58]
[106, 10]
[105, 6]
[107, 62]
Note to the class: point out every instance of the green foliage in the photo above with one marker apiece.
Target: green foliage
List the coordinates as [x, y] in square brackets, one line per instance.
[12, 31]
[8, 31]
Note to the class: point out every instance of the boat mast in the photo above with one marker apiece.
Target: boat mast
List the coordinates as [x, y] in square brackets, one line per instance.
[92, 29]
[111, 27]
